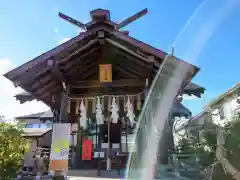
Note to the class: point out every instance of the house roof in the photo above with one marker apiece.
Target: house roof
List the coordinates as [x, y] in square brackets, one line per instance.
[190, 122]
[45, 114]
[178, 109]
[231, 92]
[36, 132]
[79, 58]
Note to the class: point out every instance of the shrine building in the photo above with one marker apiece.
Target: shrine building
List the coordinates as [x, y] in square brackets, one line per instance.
[98, 81]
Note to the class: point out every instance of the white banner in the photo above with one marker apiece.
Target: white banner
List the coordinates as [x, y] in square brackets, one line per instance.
[60, 147]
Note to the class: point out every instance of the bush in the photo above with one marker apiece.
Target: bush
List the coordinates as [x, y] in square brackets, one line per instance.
[13, 144]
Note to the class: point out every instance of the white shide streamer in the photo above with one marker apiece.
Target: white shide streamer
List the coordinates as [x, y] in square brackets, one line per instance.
[99, 113]
[130, 113]
[83, 115]
[114, 111]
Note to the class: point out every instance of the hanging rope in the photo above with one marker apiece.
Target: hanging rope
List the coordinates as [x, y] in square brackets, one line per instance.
[102, 96]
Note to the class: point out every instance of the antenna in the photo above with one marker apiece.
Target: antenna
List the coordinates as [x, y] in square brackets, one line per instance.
[72, 21]
[131, 19]
[172, 53]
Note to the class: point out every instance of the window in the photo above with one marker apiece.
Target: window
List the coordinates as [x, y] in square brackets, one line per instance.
[225, 111]
[238, 101]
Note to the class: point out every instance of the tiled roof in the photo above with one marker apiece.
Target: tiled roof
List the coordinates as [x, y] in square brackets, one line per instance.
[193, 86]
[178, 109]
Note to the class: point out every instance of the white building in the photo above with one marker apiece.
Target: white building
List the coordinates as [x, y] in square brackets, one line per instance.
[220, 110]
[223, 108]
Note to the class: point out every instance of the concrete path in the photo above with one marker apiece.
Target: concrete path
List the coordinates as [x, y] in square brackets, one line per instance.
[91, 178]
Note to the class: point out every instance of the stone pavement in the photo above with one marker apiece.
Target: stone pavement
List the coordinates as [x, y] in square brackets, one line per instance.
[91, 178]
[93, 174]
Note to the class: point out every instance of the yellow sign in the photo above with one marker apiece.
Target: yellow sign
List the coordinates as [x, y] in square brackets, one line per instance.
[105, 73]
[60, 146]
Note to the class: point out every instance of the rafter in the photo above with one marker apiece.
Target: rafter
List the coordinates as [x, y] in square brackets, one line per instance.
[29, 78]
[76, 61]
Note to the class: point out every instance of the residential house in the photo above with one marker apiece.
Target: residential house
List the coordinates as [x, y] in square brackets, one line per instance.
[220, 111]
[224, 107]
[37, 127]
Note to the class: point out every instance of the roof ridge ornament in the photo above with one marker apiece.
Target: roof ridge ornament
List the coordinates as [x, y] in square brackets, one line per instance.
[104, 15]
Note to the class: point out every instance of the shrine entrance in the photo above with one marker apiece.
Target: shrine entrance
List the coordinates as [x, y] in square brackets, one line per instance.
[105, 134]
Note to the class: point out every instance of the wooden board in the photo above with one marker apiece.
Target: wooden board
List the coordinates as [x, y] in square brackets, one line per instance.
[105, 73]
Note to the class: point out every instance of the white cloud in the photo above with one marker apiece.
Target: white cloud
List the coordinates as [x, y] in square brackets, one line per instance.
[9, 107]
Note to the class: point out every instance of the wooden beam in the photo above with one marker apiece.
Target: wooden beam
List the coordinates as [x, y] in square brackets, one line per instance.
[135, 67]
[76, 61]
[40, 72]
[48, 93]
[81, 49]
[126, 71]
[86, 69]
[44, 80]
[128, 50]
[145, 48]
[130, 57]
[72, 21]
[49, 82]
[131, 19]
[102, 91]
[58, 74]
[131, 72]
[114, 83]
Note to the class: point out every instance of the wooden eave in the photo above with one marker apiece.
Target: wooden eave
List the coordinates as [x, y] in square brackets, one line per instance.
[80, 55]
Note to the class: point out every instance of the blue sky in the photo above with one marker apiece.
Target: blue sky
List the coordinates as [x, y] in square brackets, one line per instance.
[211, 41]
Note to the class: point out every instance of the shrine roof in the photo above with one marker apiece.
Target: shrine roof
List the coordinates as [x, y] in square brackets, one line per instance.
[78, 60]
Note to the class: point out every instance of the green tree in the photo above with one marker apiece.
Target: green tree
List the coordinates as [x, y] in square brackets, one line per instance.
[219, 149]
[13, 144]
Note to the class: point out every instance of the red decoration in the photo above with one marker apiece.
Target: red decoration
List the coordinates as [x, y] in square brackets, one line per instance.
[87, 147]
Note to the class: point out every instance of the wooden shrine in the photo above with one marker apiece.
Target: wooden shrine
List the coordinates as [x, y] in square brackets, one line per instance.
[101, 76]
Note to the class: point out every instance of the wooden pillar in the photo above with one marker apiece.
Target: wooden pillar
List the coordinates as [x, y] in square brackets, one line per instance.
[78, 159]
[63, 118]
[78, 148]
[146, 87]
